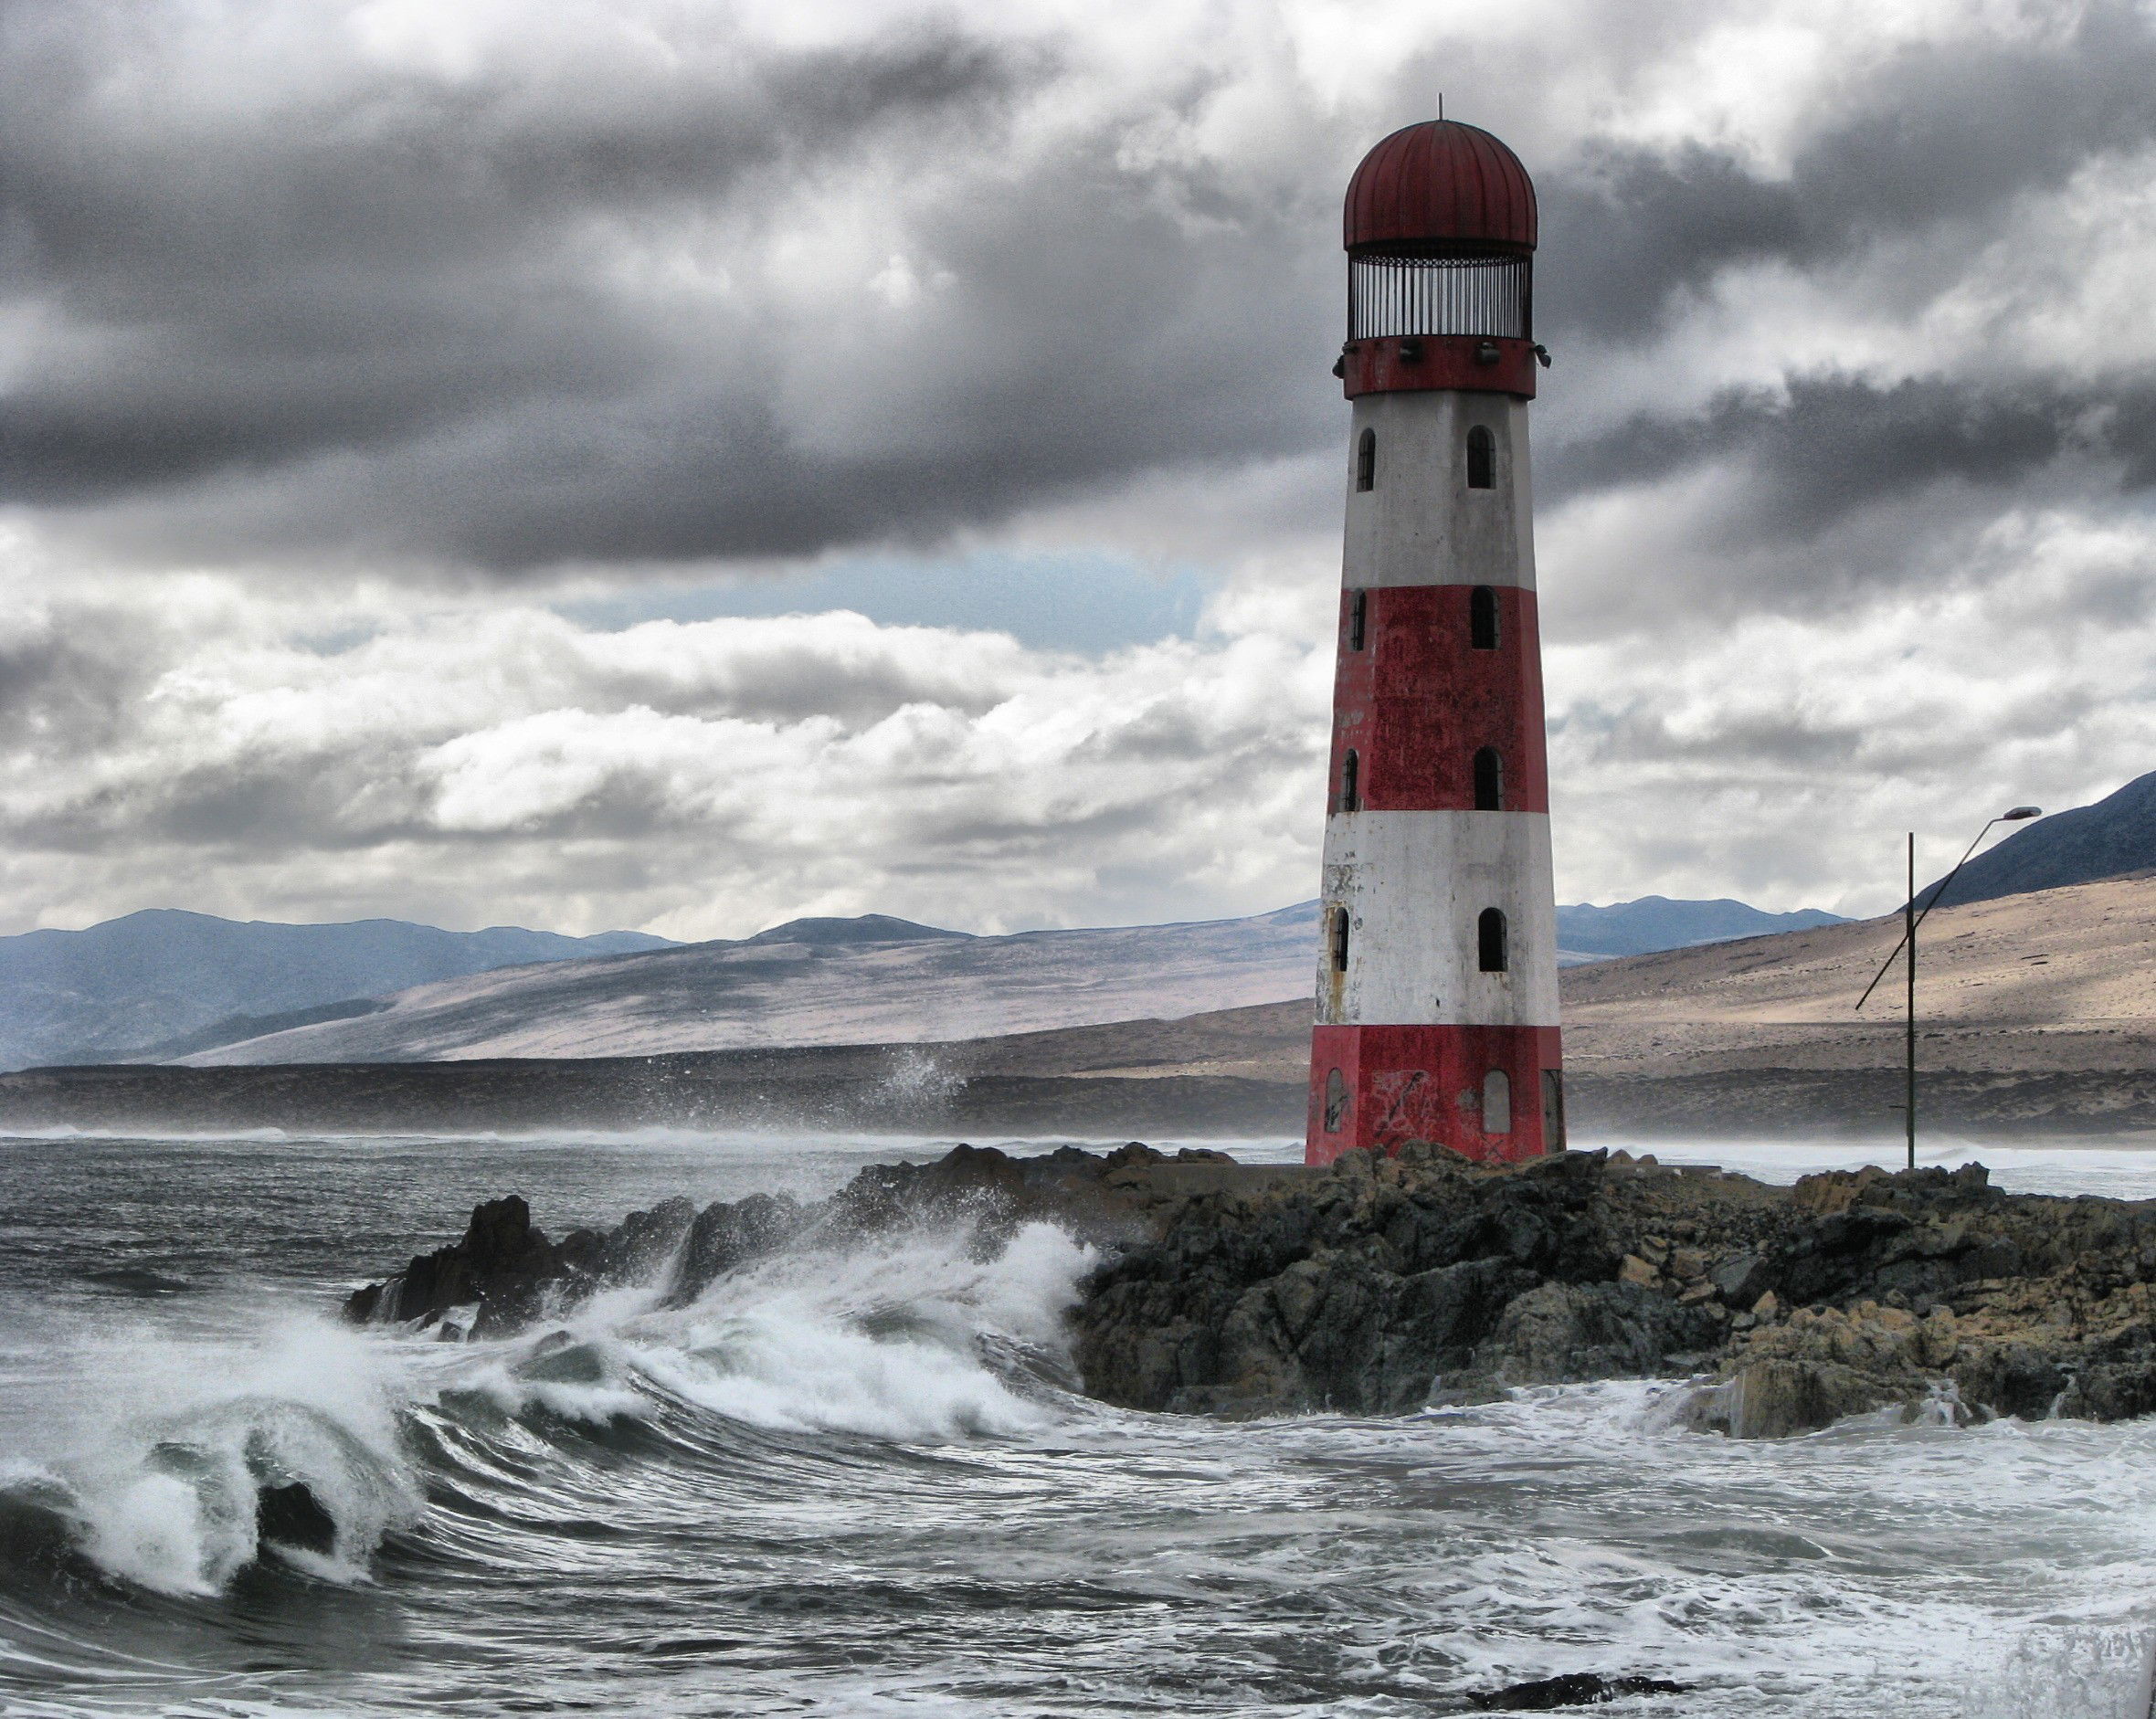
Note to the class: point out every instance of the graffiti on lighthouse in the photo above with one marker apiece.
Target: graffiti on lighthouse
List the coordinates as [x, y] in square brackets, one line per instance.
[1437, 1005]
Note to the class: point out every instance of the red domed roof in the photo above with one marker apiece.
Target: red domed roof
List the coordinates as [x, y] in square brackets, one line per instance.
[1440, 180]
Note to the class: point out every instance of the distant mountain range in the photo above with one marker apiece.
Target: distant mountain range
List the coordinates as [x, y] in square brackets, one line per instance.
[1656, 922]
[820, 982]
[166, 985]
[2039, 1013]
[881, 980]
[156, 984]
[2108, 839]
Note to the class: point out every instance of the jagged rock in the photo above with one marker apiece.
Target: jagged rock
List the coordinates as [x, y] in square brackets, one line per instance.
[1574, 1689]
[1382, 1285]
[501, 1260]
[1374, 1288]
[1821, 1367]
[1561, 1334]
[1922, 1292]
[503, 1275]
[510, 1274]
[290, 1515]
[723, 1236]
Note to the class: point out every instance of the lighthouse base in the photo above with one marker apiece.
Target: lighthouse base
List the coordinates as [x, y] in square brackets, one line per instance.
[1493, 1094]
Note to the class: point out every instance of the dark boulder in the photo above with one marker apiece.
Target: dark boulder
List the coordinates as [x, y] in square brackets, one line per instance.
[1574, 1689]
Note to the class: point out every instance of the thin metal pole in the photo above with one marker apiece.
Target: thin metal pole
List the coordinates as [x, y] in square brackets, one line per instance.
[1908, 922]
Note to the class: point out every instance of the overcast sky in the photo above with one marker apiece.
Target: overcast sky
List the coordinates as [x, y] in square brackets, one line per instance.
[671, 465]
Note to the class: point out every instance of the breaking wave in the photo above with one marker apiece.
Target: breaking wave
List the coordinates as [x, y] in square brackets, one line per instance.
[857, 1480]
[309, 1446]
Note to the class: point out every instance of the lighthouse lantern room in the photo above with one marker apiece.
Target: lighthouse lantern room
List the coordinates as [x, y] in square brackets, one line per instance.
[1437, 1006]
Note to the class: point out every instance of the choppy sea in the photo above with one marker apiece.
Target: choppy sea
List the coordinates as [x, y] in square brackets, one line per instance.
[858, 1483]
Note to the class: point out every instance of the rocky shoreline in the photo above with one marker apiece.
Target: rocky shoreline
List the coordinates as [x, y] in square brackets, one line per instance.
[1386, 1287]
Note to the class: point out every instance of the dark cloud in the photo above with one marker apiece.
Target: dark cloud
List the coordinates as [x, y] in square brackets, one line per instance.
[1940, 136]
[244, 277]
[382, 315]
[63, 689]
[1829, 447]
[296, 301]
[264, 805]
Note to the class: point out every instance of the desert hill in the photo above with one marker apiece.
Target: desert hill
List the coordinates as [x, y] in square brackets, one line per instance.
[2034, 1010]
[2115, 835]
[819, 988]
[881, 980]
[160, 984]
[2061, 977]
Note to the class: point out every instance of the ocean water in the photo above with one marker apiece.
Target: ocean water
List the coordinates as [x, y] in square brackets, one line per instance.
[859, 1482]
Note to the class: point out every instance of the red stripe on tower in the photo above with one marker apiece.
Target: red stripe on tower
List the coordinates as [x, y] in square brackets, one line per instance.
[1437, 1003]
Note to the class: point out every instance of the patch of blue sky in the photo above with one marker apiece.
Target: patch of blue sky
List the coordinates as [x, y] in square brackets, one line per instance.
[1088, 602]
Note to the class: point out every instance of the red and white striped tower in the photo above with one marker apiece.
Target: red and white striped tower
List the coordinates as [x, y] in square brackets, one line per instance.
[1437, 1004]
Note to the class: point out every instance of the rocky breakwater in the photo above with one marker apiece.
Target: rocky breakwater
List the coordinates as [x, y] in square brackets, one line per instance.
[1384, 1287]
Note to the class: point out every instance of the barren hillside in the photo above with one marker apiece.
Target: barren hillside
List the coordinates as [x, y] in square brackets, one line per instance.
[2054, 980]
[773, 991]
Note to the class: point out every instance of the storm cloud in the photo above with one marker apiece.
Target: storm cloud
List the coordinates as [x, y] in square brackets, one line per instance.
[339, 340]
[1930, 147]
[586, 294]
[734, 299]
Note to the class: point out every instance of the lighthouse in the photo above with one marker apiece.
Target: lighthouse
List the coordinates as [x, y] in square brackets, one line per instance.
[1437, 1006]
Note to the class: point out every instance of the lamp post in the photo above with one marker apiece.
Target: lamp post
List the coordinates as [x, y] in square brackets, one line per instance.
[1911, 918]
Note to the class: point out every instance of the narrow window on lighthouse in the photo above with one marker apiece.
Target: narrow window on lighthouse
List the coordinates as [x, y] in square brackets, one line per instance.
[1366, 460]
[1482, 459]
[1339, 940]
[1350, 784]
[1489, 938]
[1336, 1102]
[1496, 1103]
[1489, 781]
[1358, 607]
[1482, 618]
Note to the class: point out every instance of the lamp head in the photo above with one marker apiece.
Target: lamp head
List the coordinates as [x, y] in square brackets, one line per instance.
[2020, 812]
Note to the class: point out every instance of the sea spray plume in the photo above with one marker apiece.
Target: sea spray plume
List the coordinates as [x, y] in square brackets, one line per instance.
[927, 1333]
[503, 1274]
[944, 1321]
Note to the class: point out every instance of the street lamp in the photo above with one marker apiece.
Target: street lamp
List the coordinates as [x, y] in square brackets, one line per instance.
[1910, 919]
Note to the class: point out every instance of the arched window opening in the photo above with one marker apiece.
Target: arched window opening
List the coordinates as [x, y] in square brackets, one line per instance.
[1351, 782]
[1339, 940]
[1496, 1103]
[1489, 940]
[1336, 1102]
[1489, 781]
[1366, 460]
[1482, 459]
[1358, 607]
[1482, 618]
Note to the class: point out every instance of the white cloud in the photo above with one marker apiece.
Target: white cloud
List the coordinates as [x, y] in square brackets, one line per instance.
[698, 779]
[1068, 291]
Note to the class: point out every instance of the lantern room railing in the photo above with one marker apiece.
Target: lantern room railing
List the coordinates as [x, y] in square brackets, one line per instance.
[1393, 296]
